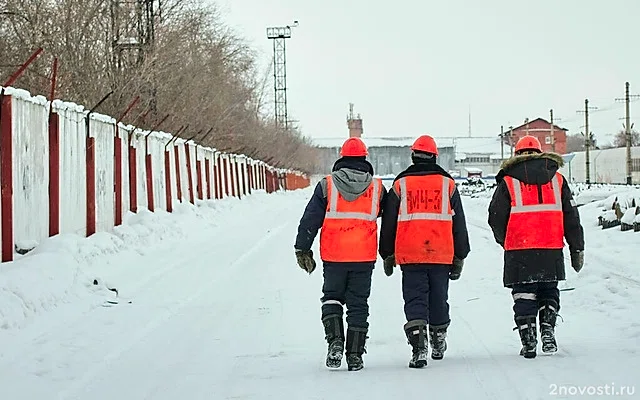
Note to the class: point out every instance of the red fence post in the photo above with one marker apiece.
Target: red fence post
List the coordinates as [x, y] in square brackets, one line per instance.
[133, 177]
[235, 161]
[216, 176]
[207, 174]
[6, 156]
[187, 151]
[149, 171]
[232, 177]
[167, 179]
[245, 178]
[117, 177]
[199, 179]
[54, 174]
[226, 177]
[176, 151]
[91, 184]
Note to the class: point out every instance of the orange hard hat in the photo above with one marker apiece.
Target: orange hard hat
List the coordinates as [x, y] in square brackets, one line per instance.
[354, 147]
[425, 144]
[528, 142]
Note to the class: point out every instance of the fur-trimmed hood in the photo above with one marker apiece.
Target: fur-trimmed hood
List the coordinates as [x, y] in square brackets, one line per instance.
[518, 159]
[531, 168]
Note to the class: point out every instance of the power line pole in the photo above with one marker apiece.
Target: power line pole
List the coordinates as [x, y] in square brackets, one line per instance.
[553, 138]
[501, 143]
[588, 137]
[627, 129]
[511, 139]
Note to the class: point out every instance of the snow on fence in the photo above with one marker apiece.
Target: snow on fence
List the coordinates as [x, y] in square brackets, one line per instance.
[65, 170]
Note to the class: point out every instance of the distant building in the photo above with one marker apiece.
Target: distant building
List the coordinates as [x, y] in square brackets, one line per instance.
[541, 129]
[388, 155]
[461, 156]
[605, 166]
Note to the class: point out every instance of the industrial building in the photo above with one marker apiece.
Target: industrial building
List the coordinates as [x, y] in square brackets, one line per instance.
[605, 166]
[462, 156]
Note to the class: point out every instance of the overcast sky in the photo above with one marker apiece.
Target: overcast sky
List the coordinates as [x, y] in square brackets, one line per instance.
[414, 67]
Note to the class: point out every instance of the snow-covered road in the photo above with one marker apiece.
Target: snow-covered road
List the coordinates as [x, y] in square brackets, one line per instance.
[223, 312]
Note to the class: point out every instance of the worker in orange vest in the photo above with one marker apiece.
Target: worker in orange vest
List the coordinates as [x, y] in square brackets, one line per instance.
[531, 213]
[345, 206]
[424, 231]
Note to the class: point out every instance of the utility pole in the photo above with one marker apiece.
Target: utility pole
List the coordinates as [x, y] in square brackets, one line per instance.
[588, 136]
[501, 143]
[511, 139]
[627, 129]
[553, 138]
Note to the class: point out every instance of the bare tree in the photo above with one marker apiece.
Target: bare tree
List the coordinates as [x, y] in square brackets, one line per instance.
[198, 70]
[620, 140]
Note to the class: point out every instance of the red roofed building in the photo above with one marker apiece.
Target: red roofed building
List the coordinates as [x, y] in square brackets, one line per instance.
[541, 129]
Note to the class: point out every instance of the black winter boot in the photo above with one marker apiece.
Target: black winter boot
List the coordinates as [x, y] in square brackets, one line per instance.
[356, 341]
[437, 336]
[334, 334]
[526, 327]
[416, 332]
[547, 314]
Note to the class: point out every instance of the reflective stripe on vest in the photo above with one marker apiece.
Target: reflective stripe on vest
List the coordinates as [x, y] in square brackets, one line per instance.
[333, 212]
[521, 208]
[443, 215]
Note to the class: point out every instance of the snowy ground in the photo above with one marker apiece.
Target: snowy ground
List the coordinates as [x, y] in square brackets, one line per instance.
[220, 310]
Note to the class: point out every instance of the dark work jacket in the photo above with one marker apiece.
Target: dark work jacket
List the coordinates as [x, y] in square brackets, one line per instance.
[313, 217]
[533, 265]
[392, 204]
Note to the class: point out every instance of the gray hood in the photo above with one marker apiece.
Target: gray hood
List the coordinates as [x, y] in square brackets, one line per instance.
[351, 183]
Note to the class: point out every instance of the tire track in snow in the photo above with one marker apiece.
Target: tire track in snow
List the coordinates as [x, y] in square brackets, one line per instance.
[80, 319]
[48, 352]
[152, 325]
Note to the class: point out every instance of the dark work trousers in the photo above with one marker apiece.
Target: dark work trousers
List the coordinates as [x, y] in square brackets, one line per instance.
[425, 289]
[347, 284]
[529, 297]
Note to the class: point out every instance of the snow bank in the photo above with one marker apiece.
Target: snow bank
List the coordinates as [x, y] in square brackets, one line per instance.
[68, 267]
[629, 216]
[585, 195]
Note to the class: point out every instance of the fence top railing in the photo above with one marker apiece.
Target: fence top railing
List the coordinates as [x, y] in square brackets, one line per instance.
[60, 106]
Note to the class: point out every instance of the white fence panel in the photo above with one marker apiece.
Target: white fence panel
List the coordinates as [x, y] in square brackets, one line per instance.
[30, 171]
[73, 213]
[103, 133]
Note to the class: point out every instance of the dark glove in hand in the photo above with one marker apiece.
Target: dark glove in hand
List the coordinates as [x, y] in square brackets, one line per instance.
[389, 264]
[456, 269]
[577, 260]
[305, 260]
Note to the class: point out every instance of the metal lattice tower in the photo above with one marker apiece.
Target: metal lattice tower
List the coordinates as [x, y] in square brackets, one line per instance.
[132, 30]
[279, 35]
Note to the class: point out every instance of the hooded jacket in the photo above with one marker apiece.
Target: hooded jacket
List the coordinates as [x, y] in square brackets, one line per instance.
[351, 177]
[392, 205]
[533, 265]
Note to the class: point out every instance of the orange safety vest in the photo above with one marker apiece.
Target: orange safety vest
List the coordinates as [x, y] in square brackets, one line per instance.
[534, 224]
[425, 220]
[350, 231]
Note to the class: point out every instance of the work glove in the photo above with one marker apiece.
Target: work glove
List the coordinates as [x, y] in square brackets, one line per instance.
[456, 269]
[577, 260]
[305, 260]
[389, 264]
